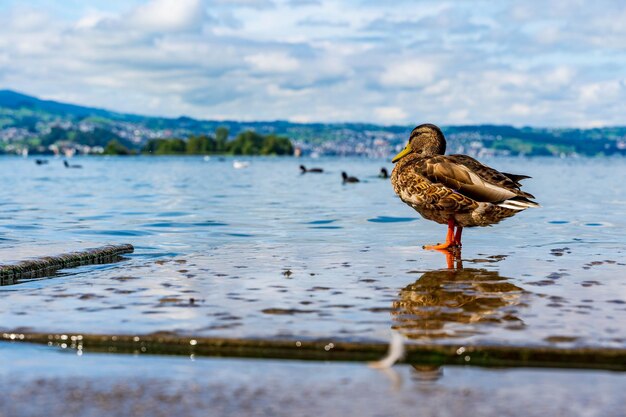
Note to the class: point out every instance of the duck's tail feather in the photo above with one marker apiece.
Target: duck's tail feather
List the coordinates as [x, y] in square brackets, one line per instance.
[518, 203]
[516, 177]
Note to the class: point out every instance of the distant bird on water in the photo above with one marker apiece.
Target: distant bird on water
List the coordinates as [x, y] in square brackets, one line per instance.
[68, 165]
[240, 164]
[347, 178]
[41, 161]
[383, 173]
[456, 190]
[304, 170]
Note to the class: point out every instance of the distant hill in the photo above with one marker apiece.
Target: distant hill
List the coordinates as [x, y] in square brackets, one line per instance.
[29, 122]
[13, 100]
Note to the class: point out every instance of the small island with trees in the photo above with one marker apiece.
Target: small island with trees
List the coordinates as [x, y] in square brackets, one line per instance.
[245, 143]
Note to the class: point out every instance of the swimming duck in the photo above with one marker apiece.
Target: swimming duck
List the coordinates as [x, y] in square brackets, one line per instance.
[315, 170]
[456, 190]
[347, 178]
[383, 173]
[68, 165]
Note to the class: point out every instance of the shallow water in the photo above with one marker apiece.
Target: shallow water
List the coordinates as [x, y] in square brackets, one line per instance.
[36, 378]
[267, 252]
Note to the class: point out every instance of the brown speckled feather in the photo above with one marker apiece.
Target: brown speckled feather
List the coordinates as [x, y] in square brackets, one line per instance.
[439, 189]
[509, 181]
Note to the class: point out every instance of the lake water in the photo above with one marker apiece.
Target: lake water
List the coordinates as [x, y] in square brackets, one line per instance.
[36, 378]
[265, 252]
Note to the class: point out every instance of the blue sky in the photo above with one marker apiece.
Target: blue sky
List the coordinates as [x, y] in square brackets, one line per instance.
[541, 63]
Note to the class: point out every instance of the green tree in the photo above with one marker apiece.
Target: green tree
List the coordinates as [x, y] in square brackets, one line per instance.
[253, 143]
[221, 139]
[247, 143]
[116, 148]
[151, 146]
[200, 145]
[171, 146]
[276, 145]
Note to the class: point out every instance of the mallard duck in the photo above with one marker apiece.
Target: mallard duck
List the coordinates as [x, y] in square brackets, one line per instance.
[304, 170]
[456, 190]
[347, 178]
[68, 165]
[383, 173]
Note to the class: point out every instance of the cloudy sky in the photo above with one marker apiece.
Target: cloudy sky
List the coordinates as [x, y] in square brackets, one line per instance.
[533, 62]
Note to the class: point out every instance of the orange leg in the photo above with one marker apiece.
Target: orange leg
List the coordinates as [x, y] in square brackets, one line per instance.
[450, 238]
[457, 236]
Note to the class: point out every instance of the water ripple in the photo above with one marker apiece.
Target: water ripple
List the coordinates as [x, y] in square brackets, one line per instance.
[388, 219]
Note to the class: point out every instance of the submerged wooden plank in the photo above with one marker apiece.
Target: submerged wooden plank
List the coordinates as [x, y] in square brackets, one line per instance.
[48, 265]
[169, 344]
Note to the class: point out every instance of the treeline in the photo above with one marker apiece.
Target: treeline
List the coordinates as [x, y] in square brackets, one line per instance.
[110, 143]
[246, 143]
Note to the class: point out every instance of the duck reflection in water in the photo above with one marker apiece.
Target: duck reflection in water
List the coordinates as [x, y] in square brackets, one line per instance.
[425, 374]
[457, 302]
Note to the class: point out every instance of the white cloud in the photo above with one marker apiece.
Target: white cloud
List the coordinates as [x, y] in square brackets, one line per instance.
[459, 116]
[438, 88]
[168, 15]
[599, 92]
[273, 62]
[92, 19]
[560, 75]
[301, 118]
[518, 109]
[254, 4]
[389, 115]
[409, 74]
[454, 62]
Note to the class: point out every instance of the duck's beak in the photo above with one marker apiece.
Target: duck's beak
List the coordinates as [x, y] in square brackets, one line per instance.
[402, 154]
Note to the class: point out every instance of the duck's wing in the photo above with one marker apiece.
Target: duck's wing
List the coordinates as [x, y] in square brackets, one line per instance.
[504, 179]
[468, 177]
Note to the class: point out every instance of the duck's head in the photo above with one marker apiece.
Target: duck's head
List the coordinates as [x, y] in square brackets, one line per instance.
[425, 140]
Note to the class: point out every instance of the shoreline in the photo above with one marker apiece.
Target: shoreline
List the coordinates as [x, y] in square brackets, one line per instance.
[326, 350]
